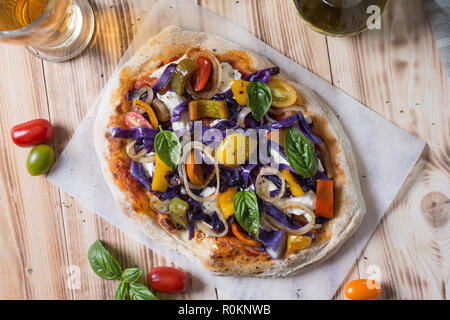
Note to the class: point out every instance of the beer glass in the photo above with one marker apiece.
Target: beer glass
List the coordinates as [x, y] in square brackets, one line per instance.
[52, 30]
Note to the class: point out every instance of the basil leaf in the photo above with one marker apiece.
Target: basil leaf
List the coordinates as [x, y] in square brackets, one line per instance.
[259, 99]
[300, 152]
[168, 148]
[246, 212]
[140, 292]
[122, 290]
[103, 263]
[131, 275]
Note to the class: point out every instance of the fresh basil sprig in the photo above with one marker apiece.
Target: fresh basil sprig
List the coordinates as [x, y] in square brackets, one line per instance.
[168, 148]
[301, 153]
[140, 292]
[105, 266]
[122, 290]
[103, 263]
[259, 99]
[246, 211]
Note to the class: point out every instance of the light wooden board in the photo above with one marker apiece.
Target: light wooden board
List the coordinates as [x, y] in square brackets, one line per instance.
[395, 71]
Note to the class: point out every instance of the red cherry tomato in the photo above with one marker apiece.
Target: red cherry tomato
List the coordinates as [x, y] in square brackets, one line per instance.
[168, 280]
[203, 73]
[134, 120]
[32, 133]
[362, 289]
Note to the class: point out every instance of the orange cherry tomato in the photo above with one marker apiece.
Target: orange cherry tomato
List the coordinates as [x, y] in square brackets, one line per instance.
[134, 120]
[363, 289]
[168, 280]
[202, 75]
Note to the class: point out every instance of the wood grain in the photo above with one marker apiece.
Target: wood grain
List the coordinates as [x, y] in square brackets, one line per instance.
[395, 71]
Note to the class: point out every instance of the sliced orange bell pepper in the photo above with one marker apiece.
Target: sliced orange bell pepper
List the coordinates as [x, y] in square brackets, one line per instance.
[297, 243]
[159, 182]
[195, 171]
[151, 114]
[242, 237]
[295, 187]
[324, 199]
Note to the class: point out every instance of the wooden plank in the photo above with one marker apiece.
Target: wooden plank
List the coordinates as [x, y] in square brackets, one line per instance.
[396, 71]
[80, 81]
[32, 244]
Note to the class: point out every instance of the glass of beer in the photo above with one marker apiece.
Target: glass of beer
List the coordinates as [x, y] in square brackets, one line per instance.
[52, 30]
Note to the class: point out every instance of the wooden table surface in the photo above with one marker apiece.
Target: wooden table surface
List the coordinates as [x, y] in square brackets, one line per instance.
[396, 71]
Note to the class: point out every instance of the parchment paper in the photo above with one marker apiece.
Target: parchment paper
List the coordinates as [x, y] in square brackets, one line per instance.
[385, 155]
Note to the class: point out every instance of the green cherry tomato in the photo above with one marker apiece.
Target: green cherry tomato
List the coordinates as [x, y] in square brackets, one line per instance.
[40, 160]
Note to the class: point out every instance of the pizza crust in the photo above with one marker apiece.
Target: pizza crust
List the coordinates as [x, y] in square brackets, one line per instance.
[221, 256]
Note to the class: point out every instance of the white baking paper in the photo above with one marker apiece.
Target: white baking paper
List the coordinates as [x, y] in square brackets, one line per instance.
[385, 155]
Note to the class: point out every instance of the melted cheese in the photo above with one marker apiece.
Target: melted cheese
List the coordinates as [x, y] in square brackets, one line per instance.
[228, 74]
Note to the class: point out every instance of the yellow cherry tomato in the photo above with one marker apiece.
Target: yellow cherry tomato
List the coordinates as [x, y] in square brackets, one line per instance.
[226, 202]
[239, 89]
[282, 92]
[363, 289]
[235, 149]
[297, 243]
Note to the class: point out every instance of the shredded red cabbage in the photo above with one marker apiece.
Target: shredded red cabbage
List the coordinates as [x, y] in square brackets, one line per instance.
[179, 110]
[138, 172]
[165, 77]
[281, 217]
[263, 75]
[274, 242]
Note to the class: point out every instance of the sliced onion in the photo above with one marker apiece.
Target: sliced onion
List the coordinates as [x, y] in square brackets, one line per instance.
[295, 109]
[216, 78]
[141, 157]
[159, 206]
[298, 232]
[141, 91]
[161, 109]
[242, 115]
[326, 159]
[207, 151]
[269, 171]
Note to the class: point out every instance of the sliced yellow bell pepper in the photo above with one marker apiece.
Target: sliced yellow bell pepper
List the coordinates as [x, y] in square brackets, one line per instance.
[239, 89]
[151, 114]
[226, 202]
[159, 182]
[297, 243]
[295, 187]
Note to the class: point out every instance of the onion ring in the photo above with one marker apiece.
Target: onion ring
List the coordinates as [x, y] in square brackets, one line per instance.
[213, 86]
[268, 171]
[242, 115]
[141, 157]
[208, 152]
[161, 109]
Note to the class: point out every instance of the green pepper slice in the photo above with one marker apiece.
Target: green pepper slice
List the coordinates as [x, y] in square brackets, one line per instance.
[178, 212]
[184, 70]
[200, 109]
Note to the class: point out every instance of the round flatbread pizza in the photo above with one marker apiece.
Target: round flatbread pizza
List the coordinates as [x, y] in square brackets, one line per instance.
[214, 151]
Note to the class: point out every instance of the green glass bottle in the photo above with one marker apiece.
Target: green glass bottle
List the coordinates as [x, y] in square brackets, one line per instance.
[337, 17]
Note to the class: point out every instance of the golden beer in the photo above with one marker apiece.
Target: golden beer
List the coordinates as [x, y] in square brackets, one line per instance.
[16, 14]
[53, 30]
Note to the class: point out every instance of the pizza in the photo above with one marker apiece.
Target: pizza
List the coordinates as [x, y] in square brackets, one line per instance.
[212, 150]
